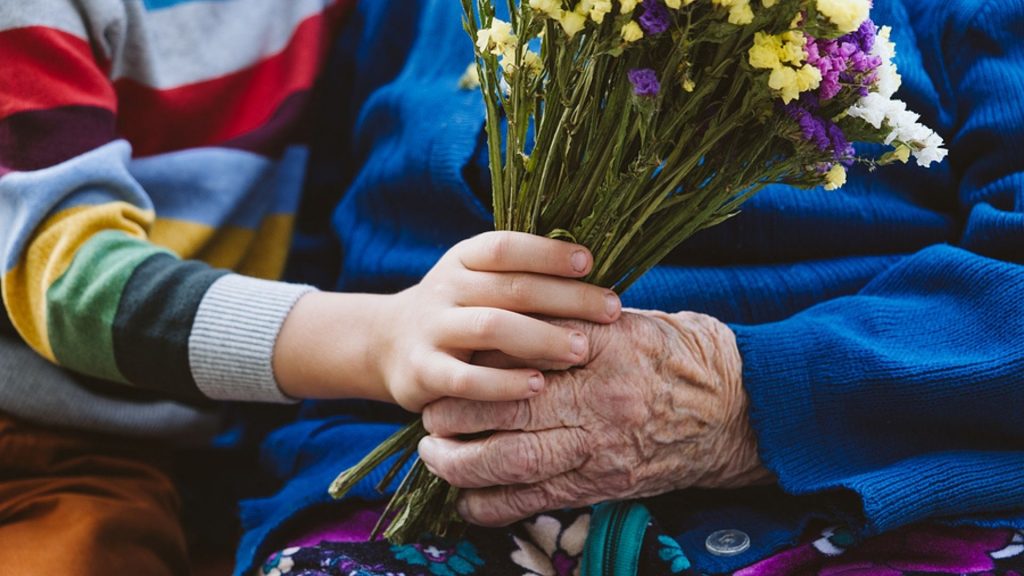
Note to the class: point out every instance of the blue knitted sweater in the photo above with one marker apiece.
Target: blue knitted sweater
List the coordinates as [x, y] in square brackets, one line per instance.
[881, 326]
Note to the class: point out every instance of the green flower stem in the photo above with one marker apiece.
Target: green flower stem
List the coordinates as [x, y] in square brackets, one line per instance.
[395, 444]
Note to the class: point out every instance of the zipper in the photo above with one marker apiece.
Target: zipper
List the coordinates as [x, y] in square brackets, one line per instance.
[616, 535]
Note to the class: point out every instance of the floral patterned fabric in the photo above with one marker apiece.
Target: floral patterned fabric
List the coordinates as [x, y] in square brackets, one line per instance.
[552, 545]
[914, 551]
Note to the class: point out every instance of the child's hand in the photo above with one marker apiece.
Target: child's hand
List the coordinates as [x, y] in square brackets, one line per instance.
[415, 346]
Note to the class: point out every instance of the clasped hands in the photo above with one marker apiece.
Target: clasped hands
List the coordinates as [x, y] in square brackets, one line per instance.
[599, 404]
[656, 405]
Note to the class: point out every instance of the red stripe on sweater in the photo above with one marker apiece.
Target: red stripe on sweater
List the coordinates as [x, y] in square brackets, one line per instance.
[221, 109]
[45, 68]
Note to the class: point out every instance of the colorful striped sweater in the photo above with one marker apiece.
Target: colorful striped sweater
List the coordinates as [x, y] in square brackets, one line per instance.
[146, 149]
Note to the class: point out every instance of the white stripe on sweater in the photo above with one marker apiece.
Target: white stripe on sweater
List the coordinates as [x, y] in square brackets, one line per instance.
[175, 46]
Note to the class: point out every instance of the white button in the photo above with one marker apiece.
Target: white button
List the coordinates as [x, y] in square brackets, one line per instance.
[727, 543]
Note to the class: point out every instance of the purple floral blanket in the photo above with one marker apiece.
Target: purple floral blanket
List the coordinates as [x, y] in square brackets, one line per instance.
[552, 544]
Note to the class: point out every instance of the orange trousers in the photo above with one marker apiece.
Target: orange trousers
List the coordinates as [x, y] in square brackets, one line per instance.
[78, 505]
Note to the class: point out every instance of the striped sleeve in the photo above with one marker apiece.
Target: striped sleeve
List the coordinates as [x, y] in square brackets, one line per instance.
[81, 280]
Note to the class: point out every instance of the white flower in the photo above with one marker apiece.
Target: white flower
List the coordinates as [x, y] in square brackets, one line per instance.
[889, 79]
[470, 78]
[932, 151]
[284, 563]
[548, 538]
[884, 113]
[870, 109]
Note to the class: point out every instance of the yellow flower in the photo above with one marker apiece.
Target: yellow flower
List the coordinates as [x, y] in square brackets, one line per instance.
[532, 63]
[552, 8]
[496, 39]
[765, 51]
[596, 9]
[785, 81]
[769, 3]
[688, 85]
[847, 15]
[792, 50]
[628, 6]
[836, 177]
[572, 22]
[740, 13]
[808, 78]
[632, 32]
[784, 55]
[674, 4]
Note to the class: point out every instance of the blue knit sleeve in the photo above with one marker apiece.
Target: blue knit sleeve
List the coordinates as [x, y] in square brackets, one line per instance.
[910, 393]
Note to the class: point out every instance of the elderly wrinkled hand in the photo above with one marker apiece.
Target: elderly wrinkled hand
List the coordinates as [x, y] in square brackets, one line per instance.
[659, 407]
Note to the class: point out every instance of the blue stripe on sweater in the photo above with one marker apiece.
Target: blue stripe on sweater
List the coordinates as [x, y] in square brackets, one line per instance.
[220, 186]
[28, 198]
[161, 4]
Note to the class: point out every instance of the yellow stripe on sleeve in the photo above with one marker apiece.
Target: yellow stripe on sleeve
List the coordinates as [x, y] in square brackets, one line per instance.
[260, 253]
[49, 254]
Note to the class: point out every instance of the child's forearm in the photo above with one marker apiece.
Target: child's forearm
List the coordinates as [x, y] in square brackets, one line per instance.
[483, 296]
[328, 345]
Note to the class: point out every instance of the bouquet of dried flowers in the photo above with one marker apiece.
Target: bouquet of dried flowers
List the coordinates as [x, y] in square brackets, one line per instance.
[629, 125]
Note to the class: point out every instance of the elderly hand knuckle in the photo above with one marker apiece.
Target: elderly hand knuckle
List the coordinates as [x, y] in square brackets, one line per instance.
[529, 460]
[578, 441]
[527, 501]
[521, 416]
[435, 419]
[430, 419]
[556, 494]
[620, 482]
[487, 513]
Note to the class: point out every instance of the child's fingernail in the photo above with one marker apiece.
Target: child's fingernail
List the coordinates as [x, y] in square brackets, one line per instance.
[536, 383]
[612, 304]
[579, 261]
[578, 344]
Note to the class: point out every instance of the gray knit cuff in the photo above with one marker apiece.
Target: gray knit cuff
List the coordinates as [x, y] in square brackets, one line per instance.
[231, 346]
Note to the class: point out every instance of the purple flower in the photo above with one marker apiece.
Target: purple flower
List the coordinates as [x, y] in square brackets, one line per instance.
[655, 18]
[822, 132]
[845, 61]
[814, 129]
[645, 81]
[864, 37]
[842, 150]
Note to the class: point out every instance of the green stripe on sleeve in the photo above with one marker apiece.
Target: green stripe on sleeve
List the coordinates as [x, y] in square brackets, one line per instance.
[82, 304]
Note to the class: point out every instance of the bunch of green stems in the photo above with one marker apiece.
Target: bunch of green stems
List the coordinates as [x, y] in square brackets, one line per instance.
[584, 158]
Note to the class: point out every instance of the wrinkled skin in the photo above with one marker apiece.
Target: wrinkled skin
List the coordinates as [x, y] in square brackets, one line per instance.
[659, 407]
